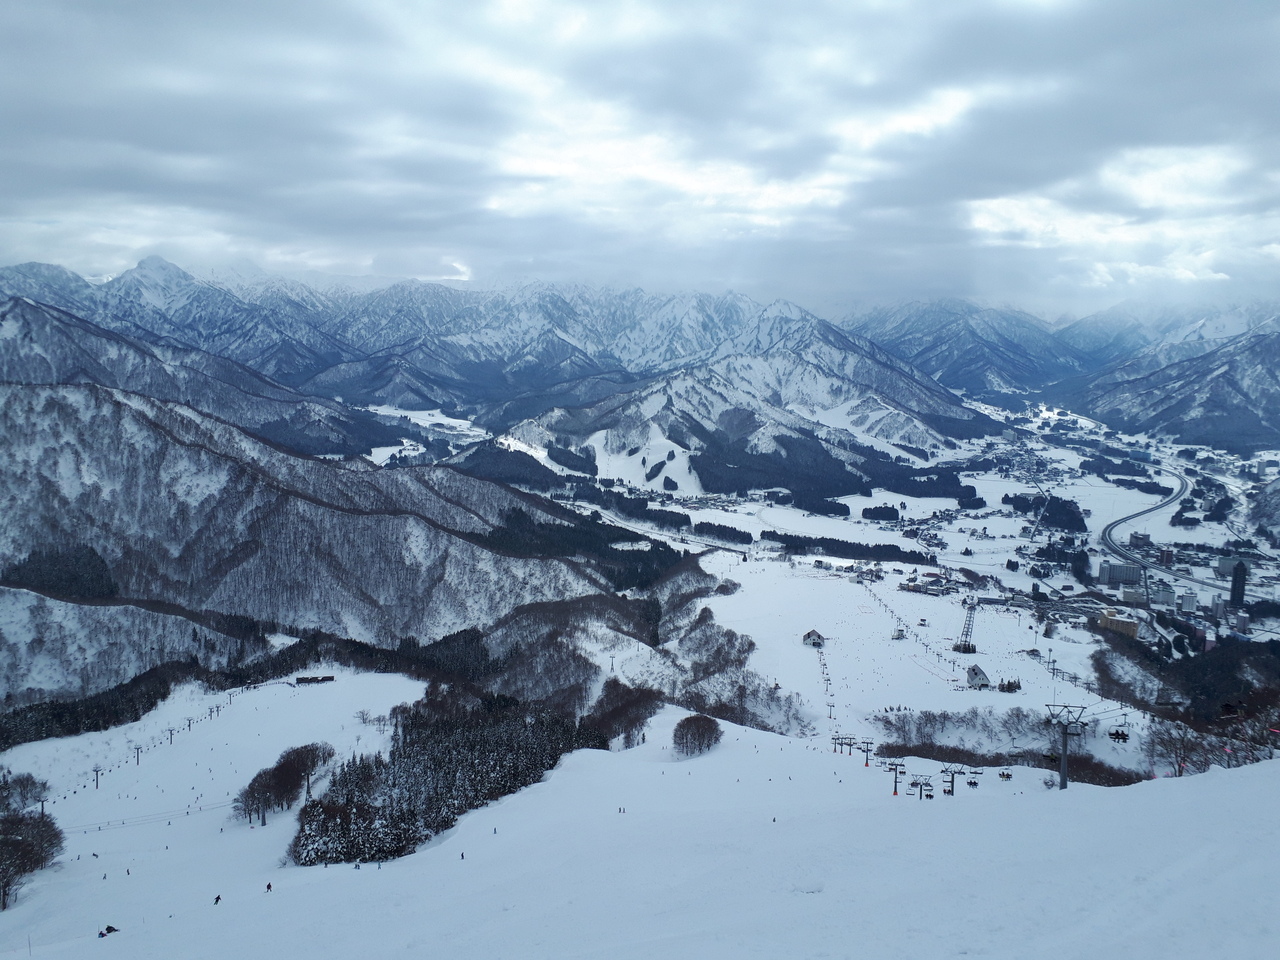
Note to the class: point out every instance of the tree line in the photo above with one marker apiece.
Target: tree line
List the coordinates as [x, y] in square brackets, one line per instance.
[279, 786]
[30, 840]
[456, 749]
[848, 550]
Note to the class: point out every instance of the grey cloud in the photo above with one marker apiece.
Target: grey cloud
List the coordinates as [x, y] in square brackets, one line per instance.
[357, 135]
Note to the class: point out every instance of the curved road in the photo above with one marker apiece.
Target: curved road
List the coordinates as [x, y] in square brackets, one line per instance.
[1108, 540]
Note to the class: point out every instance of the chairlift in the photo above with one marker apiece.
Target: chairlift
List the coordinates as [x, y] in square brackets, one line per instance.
[1006, 774]
[1119, 736]
[972, 784]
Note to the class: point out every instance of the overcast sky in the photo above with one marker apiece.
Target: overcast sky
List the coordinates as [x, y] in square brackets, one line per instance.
[1056, 154]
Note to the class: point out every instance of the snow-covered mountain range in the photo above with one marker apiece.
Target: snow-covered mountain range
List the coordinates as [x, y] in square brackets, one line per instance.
[972, 348]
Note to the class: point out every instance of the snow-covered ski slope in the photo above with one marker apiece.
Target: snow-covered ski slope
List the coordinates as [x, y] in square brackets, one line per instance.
[767, 847]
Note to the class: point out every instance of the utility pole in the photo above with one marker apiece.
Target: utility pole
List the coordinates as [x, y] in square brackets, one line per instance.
[1067, 717]
[97, 772]
[137, 755]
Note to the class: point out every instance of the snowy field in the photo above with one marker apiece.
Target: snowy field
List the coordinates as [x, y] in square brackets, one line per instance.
[438, 422]
[870, 671]
[766, 847]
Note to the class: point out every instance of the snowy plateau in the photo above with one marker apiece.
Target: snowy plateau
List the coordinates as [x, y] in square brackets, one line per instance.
[903, 558]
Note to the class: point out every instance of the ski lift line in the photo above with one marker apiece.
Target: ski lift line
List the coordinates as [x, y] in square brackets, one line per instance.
[1108, 713]
[146, 818]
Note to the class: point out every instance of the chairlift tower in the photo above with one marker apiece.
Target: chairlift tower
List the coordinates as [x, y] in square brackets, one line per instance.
[898, 769]
[1067, 717]
[924, 788]
[866, 747]
[966, 635]
[951, 771]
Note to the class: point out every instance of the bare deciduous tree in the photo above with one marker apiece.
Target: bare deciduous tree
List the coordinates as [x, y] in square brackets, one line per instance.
[1176, 746]
[695, 735]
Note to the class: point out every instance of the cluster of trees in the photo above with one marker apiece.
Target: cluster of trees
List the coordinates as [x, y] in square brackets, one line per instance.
[637, 508]
[453, 751]
[1056, 512]
[621, 711]
[278, 787]
[915, 451]
[351, 435]
[1101, 466]
[1142, 486]
[29, 840]
[820, 505]
[922, 728]
[124, 703]
[696, 734]
[462, 654]
[882, 514]
[1077, 560]
[75, 571]
[522, 536]
[942, 483]
[1221, 510]
[802, 465]
[492, 462]
[1180, 749]
[572, 461]
[919, 734]
[848, 550]
[705, 528]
